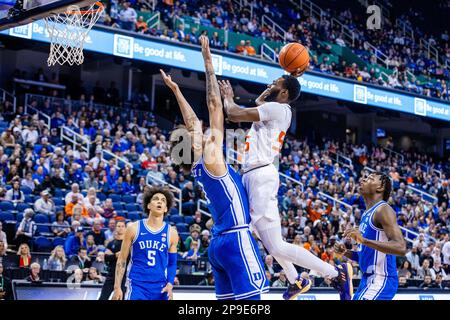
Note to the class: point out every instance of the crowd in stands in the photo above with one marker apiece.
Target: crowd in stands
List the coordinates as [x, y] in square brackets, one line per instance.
[67, 201]
[412, 67]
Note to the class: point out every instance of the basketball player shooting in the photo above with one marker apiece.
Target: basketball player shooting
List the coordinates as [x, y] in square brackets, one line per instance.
[271, 120]
[153, 246]
[237, 267]
[379, 240]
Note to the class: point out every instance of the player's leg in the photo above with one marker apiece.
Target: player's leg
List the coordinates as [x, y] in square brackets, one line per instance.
[376, 288]
[222, 281]
[244, 266]
[107, 289]
[135, 291]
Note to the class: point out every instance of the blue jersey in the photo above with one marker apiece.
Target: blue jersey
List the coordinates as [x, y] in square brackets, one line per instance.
[226, 197]
[372, 261]
[149, 254]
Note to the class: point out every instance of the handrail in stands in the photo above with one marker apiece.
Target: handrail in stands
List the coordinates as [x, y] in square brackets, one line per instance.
[178, 199]
[73, 137]
[39, 113]
[6, 94]
[423, 194]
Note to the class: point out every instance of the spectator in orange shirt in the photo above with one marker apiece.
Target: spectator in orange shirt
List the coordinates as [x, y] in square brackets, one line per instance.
[328, 254]
[71, 205]
[141, 25]
[315, 212]
[250, 49]
[241, 48]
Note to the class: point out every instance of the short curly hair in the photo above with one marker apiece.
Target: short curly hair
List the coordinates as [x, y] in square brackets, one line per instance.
[148, 195]
[385, 183]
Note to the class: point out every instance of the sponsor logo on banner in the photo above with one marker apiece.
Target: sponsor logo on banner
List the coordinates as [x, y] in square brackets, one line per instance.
[217, 64]
[425, 297]
[420, 107]
[360, 94]
[24, 31]
[123, 46]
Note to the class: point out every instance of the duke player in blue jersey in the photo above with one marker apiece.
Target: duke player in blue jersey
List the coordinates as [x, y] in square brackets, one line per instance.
[233, 253]
[379, 240]
[153, 246]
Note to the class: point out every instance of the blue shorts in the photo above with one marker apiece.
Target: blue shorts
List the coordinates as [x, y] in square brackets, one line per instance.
[376, 287]
[140, 290]
[237, 267]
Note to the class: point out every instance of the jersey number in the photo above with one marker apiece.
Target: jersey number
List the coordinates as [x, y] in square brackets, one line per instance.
[276, 148]
[151, 258]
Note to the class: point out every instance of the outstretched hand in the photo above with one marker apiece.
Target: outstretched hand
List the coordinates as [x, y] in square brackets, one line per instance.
[168, 80]
[299, 72]
[354, 234]
[204, 41]
[225, 89]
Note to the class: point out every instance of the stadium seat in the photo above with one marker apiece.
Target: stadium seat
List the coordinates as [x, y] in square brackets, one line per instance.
[133, 216]
[118, 206]
[6, 206]
[42, 244]
[44, 230]
[130, 207]
[182, 227]
[26, 190]
[60, 193]
[58, 201]
[22, 206]
[4, 216]
[188, 219]
[176, 219]
[174, 211]
[101, 196]
[58, 241]
[115, 198]
[183, 235]
[52, 217]
[41, 218]
[121, 213]
[19, 216]
[29, 199]
[129, 199]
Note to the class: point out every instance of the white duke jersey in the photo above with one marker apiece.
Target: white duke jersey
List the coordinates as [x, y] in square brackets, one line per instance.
[265, 138]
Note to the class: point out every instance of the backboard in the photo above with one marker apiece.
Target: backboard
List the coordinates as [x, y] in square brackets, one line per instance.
[15, 13]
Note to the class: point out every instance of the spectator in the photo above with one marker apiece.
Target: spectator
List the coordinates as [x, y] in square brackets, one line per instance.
[109, 234]
[402, 282]
[413, 258]
[75, 203]
[426, 284]
[3, 237]
[269, 265]
[44, 204]
[326, 283]
[81, 260]
[26, 229]
[437, 270]
[5, 286]
[15, 194]
[94, 277]
[75, 242]
[281, 281]
[57, 260]
[35, 269]
[23, 256]
[93, 216]
[241, 48]
[75, 189]
[188, 196]
[424, 270]
[193, 254]
[108, 210]
[141, 25]
[438, 284]
[127, 17]
[194, 235]
[60, 227]
[249, 49]
[91, 247]
[28, 181]
[405, 270]
[99, 262]
[180, 31]
[7, 139]
[98, 233]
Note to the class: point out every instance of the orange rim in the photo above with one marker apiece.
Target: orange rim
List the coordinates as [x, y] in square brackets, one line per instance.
[98, 4]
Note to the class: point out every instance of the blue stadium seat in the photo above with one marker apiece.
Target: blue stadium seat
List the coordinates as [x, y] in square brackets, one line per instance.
[52, 218]
[129, 199]
[6, 206]
[133, 216]
[84, 193]
[182, 227]
[118, 206]
[26, 190]
[22, 206]
[130, 207]
[101, 196]
[188, 219]
[58, 201]
[183, 235]
[19, 217]
[115, 197]
[174, 211]
[44, 230]
[29, 199]
[60, 193]
[121, 213]
[166, 219]
[4, 216]
[42, 244]
[41, 218]
[58, 241]
[176, 219]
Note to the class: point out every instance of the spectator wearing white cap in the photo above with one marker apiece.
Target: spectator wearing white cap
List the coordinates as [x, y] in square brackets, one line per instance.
[44, 204]
[75, 190]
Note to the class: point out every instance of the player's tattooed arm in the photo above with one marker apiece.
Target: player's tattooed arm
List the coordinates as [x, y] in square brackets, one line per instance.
[189, 117]
[235, 112]
[122, 260]
[212, 87]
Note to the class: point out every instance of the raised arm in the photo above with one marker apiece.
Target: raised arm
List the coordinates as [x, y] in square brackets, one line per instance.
[189, 117]
[213, 153]
[385, 217]
[121, 264]
[236, 113]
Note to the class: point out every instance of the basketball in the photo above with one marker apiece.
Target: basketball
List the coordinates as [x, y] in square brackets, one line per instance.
[294, 56]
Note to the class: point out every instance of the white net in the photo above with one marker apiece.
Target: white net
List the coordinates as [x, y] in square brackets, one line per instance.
[68, 32]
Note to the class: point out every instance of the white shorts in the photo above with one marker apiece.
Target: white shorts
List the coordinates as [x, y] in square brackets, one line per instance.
[262, 189]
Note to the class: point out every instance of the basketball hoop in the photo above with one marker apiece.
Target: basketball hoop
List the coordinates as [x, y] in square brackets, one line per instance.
[68, 32]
